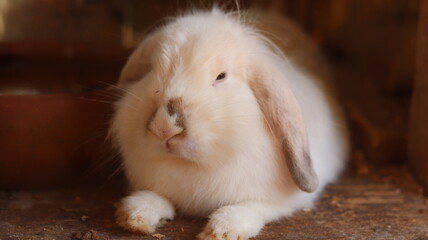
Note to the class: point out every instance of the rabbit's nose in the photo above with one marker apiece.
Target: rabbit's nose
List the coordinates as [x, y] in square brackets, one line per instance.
[163, 125]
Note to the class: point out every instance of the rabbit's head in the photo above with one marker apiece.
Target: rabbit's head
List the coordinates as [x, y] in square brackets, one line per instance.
[198, 89]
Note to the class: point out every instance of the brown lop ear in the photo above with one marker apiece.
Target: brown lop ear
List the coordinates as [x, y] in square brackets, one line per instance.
[138, 63]
[284, 119]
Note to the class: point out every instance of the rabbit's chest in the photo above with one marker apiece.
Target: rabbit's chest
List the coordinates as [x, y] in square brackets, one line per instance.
[199, 193]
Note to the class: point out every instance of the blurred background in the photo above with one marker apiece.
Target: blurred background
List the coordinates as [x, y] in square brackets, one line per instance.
[59, 57]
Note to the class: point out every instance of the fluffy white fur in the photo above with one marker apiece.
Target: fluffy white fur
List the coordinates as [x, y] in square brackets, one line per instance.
[224, 161]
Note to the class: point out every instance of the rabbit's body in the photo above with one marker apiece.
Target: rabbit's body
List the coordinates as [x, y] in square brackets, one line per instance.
[202, 145]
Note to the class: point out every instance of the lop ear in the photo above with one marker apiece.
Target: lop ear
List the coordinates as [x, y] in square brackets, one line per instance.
[284, 119]
[138, 63]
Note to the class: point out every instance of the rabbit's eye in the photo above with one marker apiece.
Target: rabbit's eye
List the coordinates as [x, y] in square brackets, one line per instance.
[221, 76]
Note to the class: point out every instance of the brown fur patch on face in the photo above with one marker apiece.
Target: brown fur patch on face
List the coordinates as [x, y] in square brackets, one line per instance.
[175, 107]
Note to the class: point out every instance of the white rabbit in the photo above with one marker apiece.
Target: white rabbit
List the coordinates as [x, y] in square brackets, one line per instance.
[218, 119]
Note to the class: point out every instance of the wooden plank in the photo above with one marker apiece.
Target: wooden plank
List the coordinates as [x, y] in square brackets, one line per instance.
[418, 126]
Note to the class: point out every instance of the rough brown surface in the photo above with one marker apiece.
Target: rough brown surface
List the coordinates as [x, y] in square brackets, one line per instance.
[369, 204]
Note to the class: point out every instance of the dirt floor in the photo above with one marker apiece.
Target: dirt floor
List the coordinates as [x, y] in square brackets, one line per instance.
[370, 203]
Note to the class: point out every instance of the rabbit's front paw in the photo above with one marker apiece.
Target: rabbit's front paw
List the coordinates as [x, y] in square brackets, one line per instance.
[143, 212]
[232, 223]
